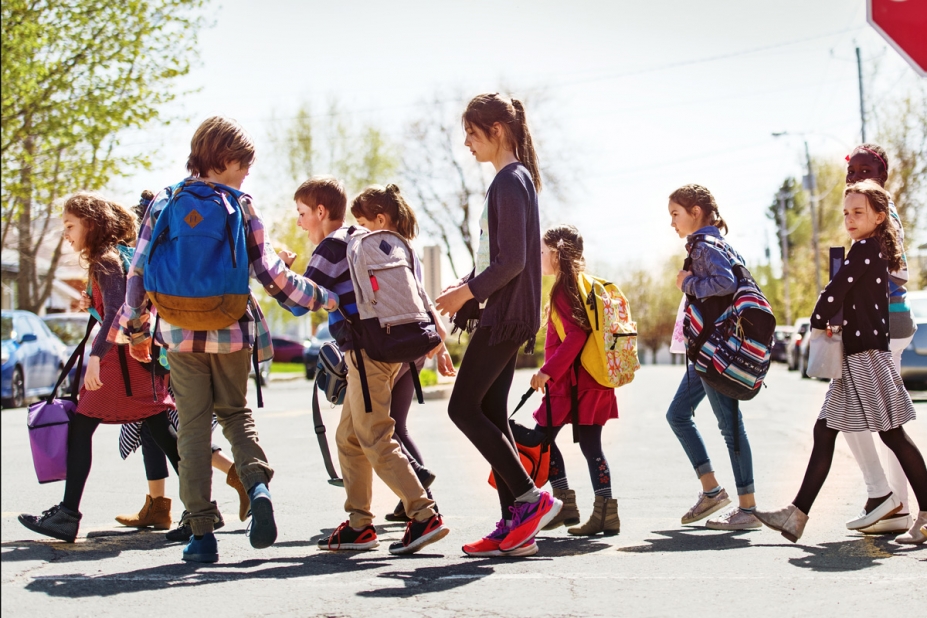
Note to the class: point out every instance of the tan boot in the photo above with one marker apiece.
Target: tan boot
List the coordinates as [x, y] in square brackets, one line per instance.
[790, 521]
[244, 502]
[604, 519]
[156, 513]
[569, 513]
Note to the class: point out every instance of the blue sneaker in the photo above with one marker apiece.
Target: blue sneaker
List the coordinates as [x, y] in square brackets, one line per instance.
[205, 549]
[263, 531]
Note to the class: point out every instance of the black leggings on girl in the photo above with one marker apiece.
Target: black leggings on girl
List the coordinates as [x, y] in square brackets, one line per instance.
[822, 454]
[403, 393]
[80, 451]
[479, 408]
[590, 443]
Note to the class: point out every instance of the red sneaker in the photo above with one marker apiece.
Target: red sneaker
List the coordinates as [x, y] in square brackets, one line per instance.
[528, 518]
[488, 546]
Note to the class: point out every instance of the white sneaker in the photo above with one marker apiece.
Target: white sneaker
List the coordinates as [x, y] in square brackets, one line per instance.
[894, 524]
[735, 519]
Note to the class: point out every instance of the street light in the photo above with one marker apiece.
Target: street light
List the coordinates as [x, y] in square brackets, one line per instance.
[811, 185]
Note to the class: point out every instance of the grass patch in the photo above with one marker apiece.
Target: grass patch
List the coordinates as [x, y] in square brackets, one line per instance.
[428, 377]
[287, 368]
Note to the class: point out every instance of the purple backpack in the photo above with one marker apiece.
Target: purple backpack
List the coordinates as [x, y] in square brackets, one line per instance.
[49, 419]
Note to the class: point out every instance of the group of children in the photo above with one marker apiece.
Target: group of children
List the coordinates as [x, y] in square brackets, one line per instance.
[499, 304]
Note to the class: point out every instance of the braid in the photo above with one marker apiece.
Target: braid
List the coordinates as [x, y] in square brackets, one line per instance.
[567, 242]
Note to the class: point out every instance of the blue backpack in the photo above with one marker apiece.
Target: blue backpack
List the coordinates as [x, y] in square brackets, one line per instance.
[197, 270]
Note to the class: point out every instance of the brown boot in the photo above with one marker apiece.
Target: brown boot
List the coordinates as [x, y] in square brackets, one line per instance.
[790, 521]
[244, 502]
[569, 514]
[156, 513]
[604, 519]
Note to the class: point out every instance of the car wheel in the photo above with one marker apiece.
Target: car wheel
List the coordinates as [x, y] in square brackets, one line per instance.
[18, 388]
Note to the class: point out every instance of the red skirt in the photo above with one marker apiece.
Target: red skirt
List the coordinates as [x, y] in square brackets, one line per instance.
[597, 403]
[110, 403]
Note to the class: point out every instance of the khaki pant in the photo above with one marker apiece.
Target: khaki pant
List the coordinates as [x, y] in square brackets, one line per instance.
[365, 444]
[204, 384]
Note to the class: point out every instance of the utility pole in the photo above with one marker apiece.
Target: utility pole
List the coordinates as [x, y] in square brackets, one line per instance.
[811, 186]
[784, 247]
[862, 100]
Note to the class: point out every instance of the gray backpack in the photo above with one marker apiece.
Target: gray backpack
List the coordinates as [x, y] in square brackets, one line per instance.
[394, 324]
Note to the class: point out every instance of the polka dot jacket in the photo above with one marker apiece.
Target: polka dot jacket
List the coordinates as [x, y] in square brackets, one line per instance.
[860, 287]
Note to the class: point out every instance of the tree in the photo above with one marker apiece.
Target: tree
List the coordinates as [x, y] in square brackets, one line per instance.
[654, 300]
[76, 74]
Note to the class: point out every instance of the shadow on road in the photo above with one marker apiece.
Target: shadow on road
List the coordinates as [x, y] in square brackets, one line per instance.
[95, 546]
[557, 547]
[850, 555]
[697, 539]
[428, 580]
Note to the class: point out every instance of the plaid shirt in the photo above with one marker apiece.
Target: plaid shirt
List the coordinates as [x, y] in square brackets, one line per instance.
[133, 321]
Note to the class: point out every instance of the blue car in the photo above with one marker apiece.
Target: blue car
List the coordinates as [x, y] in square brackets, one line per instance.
[32, 358]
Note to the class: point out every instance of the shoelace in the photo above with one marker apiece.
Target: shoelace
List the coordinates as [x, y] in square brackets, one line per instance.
[49, 513]
[500, 529]
[519, 511]
[337, 533]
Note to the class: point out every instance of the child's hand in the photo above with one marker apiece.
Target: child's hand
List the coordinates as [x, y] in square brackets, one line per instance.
[538, 380]
[450, 302]
[682, 277]
[288, 257]
[140, 351]
[92, 377]
[445, 363]
[332, 303]
[84, 302]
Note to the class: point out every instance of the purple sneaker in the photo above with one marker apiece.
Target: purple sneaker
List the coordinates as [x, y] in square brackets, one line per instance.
[528, 518]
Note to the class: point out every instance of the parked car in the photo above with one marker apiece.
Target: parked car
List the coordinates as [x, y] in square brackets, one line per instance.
[802, 328]
[917, 300]
[287, 350]
[32, 358]
[70, 328]
[914, 358]
[311, 350]
[781, 341]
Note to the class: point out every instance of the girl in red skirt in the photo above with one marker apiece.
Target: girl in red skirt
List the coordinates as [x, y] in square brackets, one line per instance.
[94, 227]
[562, 256]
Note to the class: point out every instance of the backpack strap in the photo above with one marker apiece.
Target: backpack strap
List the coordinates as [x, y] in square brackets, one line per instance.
[333, 478]
[124, 365]
[359, 362]
[257, 375]
[574, 397]
[549, 431]
[524, 398]
[77, 356]
[416, 382]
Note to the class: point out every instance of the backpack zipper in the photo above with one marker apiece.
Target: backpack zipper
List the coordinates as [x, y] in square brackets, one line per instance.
[228, 231]
[155, 242]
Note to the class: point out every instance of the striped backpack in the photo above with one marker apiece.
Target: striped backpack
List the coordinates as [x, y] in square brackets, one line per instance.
[729, 338]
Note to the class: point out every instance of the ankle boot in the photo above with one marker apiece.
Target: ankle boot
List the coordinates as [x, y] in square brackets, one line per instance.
[156, 513]
[569, 513]
[244, 502]
[604, 519]
[790, 521]
[918, 532]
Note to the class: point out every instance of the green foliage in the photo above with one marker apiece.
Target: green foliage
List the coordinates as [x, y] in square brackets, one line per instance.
[287, 368]
[654, 300]
[76, 75]
[428, 377]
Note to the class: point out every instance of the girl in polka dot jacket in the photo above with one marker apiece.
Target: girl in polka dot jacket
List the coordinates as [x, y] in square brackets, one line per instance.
[869, 396]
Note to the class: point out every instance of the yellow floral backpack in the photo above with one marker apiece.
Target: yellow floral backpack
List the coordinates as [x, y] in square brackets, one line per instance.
[610, 353]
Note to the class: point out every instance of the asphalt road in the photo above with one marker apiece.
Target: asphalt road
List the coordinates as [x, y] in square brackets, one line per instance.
[655, 567]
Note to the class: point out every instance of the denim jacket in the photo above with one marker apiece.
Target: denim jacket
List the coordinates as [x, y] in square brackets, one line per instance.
[711, 270]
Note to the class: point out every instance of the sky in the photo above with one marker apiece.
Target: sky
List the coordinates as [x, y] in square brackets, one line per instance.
[643, 97]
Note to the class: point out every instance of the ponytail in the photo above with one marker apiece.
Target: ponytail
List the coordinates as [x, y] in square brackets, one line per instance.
[485, 110]
[387, 201]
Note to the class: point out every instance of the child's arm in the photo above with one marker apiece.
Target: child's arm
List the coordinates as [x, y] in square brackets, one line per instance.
[287, 288]
[560, 357]
[511, 206]
[858, 260]
[719, 280]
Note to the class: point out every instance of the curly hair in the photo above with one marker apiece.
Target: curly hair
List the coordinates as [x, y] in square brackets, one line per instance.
[107, 224]
[566, 242]
[376, 200]
[886, 233]
[690, 196]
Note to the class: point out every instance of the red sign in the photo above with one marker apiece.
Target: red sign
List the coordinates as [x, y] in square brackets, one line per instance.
[903, 23]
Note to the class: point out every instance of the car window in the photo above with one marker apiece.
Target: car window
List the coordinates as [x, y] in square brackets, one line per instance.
[6, 327]
[69, 331]
[38, 327]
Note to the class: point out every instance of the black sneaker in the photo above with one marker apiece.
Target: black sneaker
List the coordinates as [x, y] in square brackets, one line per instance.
[346, 537]
[58, 522]
[183, 532]
[419, 534]
[398, 514]
[426, 478]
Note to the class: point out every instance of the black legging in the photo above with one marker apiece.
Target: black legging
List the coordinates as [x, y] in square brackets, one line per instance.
[822, 454]
[590, 443]
[479, 408]
[80, 451]
[153, 455]
[400, 403]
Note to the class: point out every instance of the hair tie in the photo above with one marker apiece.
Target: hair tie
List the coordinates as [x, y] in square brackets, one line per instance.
[560, 244]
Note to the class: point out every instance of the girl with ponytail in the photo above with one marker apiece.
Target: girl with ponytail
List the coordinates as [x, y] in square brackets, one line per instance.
[384, 208]
[562, 256]
[117, 389]
[500, 303]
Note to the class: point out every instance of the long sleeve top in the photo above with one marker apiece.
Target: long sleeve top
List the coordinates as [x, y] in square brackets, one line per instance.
[711, 270]
[110, 283]
[860, 287]
[511, 283]
[251, 330]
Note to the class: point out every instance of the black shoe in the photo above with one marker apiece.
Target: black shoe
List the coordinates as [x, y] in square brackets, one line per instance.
[419, 534]
[58, 522]
[346, 537]
[183, 532]
[425, 477]
[398, 514]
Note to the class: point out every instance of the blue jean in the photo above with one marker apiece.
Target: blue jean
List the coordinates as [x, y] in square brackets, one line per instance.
[680, 416]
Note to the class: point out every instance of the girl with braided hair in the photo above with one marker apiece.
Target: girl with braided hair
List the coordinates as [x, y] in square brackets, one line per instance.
[562, 256]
